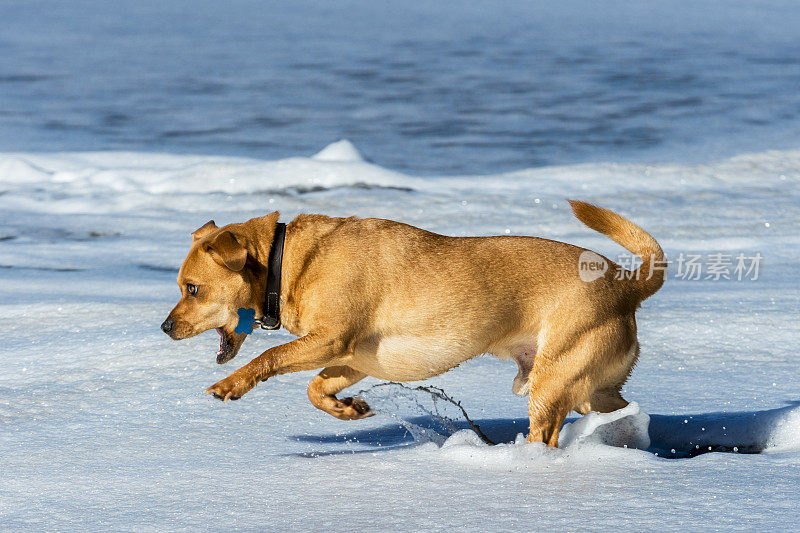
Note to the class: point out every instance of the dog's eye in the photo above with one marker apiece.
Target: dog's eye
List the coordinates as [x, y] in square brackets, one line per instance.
[191, 289]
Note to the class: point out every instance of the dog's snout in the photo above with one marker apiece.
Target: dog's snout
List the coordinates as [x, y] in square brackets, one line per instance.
[168, 326]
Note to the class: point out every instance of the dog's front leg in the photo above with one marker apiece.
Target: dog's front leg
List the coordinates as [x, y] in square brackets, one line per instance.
[306, 353]
[331, 381]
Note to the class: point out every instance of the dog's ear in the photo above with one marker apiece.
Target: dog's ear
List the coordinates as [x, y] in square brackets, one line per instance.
[204, 230]
[227, 251]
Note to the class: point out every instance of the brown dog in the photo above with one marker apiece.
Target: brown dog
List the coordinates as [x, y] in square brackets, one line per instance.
[370, 297]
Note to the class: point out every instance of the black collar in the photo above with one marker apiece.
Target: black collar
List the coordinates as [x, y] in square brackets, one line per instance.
[272, 302]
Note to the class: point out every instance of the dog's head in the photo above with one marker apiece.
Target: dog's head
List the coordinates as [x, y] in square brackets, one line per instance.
[224, 271]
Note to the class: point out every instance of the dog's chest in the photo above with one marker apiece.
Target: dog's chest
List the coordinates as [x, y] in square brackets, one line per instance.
[407, 357]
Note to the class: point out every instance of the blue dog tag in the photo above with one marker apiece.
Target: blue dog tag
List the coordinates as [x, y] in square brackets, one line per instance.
[246, 321]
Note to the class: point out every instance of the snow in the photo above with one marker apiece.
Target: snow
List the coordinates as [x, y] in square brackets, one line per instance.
[342, 150]
[105, 424]
[625, 428]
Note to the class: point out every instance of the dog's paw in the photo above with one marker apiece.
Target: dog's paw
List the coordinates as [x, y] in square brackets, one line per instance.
[352, 409]
[233, 387]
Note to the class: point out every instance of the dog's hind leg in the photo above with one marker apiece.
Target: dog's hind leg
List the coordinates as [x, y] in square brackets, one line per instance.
[553, 395]
[603, 401]
[323, 389]
[573, 375]
[607, 400]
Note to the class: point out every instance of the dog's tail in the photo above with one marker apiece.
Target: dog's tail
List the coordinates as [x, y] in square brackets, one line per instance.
[650, 275]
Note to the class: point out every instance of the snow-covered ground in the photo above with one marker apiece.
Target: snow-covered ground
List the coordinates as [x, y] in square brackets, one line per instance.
[105, 424]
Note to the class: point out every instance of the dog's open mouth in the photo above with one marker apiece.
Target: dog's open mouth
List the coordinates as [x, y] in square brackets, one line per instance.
[227, 347]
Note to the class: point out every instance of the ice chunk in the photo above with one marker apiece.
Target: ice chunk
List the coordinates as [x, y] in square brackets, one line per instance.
[626, 427]
[16, 169]
[785, 434]
[342, 150]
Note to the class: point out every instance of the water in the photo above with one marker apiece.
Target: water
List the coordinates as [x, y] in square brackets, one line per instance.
[422, 87]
